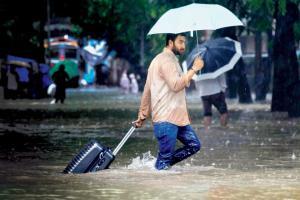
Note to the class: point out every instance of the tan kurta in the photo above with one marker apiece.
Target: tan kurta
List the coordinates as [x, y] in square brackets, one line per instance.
[164, 91]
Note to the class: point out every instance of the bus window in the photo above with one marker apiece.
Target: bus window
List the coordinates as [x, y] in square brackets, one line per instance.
[54, 53]
[71, 53]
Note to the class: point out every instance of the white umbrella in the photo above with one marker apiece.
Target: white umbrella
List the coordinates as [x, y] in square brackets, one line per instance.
[195, 17]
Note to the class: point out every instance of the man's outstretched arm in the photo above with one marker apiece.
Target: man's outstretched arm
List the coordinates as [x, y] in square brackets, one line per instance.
[145, 106]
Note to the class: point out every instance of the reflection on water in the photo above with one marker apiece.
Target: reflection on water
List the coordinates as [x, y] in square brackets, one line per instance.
[256, 157]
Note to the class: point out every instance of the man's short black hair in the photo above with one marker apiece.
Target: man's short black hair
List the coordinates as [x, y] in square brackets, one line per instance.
[172, 37]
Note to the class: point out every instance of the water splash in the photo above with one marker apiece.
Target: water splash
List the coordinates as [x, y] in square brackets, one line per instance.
[293, 156]
[146, 162]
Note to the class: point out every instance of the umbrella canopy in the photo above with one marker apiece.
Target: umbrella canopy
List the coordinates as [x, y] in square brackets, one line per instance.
[22, 62]
[195, 17]
[70, 67]
[219, 55]
[19, 63]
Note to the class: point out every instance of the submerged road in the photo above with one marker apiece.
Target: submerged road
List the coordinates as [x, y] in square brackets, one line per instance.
[256, 157]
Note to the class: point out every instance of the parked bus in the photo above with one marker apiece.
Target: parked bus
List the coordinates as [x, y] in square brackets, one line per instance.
[62, 48]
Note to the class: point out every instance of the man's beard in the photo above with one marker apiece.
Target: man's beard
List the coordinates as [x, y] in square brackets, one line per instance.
[176, 51]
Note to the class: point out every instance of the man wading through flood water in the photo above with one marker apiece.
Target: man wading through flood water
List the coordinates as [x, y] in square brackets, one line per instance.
[164, 99]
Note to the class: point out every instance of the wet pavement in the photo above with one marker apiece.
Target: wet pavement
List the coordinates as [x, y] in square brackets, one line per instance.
[256, 157]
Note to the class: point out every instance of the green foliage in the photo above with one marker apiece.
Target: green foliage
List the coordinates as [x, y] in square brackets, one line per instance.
[260, 14]
[7, 28]
[76, 30]
[35, 41]
[282, 6]
[297, 31]
[124, 23]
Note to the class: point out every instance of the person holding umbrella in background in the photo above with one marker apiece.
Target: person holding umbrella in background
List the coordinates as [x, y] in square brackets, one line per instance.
[164, 98]
[219, 55]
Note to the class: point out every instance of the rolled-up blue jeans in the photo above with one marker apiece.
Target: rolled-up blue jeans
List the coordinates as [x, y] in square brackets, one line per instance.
[167, 135]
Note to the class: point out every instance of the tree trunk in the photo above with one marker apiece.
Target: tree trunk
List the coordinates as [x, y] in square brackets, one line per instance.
[259, 76]
[142, 47]
[262, 70]
[285, 60]
[242, 84]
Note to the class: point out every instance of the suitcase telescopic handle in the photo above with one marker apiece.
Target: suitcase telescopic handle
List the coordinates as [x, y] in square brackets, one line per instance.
[125, 138]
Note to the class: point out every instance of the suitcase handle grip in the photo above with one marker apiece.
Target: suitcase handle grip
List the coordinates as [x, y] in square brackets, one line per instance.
[125, 138]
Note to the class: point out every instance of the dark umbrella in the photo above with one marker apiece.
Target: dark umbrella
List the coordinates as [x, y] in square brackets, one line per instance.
[71, 69]
[219, 55]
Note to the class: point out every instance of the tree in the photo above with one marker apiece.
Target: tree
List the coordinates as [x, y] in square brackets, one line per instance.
[286, 73]
[21, 28]
[122, 23]
[236, 78]
[260, 19]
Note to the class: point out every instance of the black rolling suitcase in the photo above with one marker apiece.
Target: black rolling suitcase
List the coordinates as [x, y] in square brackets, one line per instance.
[94, 157]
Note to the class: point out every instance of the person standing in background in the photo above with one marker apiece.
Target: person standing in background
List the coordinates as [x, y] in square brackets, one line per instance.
[12, 83]
[134, 87]
[212, 92]
[60, 79]
[125, 83]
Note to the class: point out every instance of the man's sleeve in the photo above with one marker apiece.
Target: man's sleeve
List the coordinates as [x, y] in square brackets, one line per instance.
[145, 107]
[174, 79]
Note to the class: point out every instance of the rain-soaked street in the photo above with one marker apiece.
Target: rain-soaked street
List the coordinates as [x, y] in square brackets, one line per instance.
[256, 157]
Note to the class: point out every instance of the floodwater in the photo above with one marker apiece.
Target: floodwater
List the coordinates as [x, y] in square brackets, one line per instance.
[256, 157]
